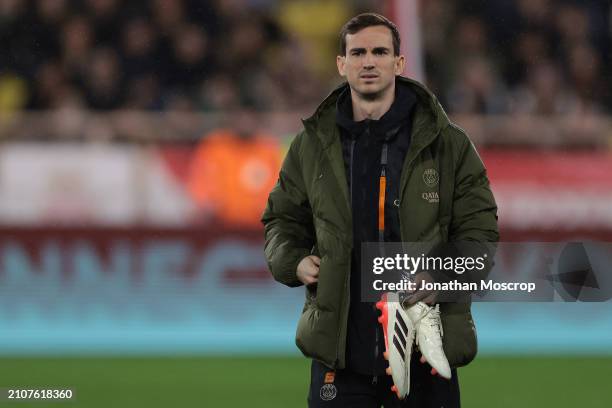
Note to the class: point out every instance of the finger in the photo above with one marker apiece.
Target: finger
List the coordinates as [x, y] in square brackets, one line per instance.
[431, 298]
[422, 360]
[417, 285]
[434, 371]
[316, 260]
[310, 280]
[417, 296]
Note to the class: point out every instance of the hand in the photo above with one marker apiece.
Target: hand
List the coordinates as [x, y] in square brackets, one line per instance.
[433, 371]
[427, 296]
[308, 270]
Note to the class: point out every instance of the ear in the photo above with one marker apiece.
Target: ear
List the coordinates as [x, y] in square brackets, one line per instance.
[341, 63]
[400, 64]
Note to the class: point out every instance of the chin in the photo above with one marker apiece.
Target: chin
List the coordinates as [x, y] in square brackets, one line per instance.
[369, 90]
[373, 91]
[365, 88]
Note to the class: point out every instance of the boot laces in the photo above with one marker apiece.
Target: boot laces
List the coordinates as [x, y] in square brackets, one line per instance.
[432, 319]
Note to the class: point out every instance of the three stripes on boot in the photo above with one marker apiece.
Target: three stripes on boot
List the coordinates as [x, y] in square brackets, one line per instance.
[400, 334]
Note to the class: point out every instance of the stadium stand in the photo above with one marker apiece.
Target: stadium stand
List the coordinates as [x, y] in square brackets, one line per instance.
[539, 57]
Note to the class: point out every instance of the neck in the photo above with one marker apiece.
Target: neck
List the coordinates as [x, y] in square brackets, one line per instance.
[372, 106]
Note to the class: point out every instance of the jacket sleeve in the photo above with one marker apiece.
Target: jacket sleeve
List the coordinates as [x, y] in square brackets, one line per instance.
[474, 211]
[287, 219]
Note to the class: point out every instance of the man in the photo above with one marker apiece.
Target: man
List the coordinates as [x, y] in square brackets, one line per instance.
[378, 161]
[232, 172]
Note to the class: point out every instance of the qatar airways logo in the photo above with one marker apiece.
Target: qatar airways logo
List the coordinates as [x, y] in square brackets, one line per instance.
[431, 197]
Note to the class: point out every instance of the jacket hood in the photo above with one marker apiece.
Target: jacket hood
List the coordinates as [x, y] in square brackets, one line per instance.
[429, 117]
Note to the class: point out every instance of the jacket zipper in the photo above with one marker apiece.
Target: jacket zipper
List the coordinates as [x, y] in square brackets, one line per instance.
[381, 231]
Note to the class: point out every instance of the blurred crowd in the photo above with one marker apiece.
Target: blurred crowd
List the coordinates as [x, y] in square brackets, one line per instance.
[201, 55]
[493, 57]
[545, 57]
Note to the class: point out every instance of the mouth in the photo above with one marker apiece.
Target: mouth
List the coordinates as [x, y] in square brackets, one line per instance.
[368, 76]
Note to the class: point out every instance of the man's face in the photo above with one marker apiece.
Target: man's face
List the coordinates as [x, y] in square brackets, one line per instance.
[369, 65]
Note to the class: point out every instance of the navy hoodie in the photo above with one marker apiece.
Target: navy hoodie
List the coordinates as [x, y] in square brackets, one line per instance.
[362, 144]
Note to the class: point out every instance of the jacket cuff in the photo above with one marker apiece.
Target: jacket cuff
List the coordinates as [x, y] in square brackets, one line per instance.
[290, 275]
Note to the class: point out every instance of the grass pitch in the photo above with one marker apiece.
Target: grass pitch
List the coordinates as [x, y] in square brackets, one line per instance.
[489, 382]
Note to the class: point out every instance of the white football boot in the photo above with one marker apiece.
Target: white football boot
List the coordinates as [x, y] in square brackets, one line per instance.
[426, 320]
[399, 335]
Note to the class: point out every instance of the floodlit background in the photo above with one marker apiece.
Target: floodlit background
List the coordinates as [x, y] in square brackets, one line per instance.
[139, 141]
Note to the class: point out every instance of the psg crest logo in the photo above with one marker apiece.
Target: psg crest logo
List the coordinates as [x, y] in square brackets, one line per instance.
[328, 392]
[431, 177]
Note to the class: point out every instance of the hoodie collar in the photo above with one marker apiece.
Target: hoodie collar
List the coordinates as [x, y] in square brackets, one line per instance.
[387, 125]
[428, 113]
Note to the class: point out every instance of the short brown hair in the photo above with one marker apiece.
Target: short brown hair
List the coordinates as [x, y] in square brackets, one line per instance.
[364, 20]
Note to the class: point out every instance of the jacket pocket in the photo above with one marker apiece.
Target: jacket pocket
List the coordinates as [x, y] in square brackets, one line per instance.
[311, 296]
[318, 328]
[315, 336]
[459, 341]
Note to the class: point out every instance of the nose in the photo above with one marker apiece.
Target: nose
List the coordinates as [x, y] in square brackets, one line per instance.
[368, 61]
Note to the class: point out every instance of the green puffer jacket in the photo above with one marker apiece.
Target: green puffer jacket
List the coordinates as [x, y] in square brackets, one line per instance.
[309, 211]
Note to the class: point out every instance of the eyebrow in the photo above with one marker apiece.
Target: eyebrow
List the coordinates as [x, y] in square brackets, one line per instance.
[375, 49]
